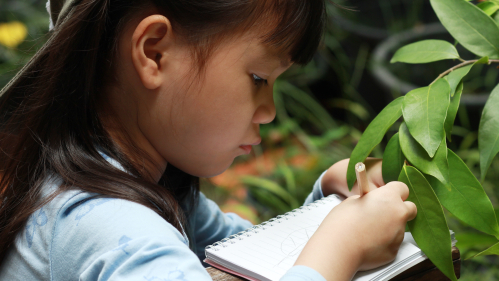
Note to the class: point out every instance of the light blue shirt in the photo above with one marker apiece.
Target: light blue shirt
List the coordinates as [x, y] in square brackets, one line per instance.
[78, 237]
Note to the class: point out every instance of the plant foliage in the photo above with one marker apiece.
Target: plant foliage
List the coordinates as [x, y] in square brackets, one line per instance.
[435, 175]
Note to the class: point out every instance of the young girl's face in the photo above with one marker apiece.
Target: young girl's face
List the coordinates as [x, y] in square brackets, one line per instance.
[200, 123]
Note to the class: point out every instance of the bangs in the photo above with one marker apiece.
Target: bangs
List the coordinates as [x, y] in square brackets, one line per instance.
[298, 26]
[292, 27]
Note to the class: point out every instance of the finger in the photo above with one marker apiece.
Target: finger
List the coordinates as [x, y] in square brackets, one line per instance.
[399, 188]
[374, 174]
[373, 185]
[352, 197]
[399, 238]
[335, 181]
[412, 210]
[355, 190]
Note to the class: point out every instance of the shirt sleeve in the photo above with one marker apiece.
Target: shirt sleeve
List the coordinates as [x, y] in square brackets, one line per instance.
[316, 193]
[302, 273]
[210, 224]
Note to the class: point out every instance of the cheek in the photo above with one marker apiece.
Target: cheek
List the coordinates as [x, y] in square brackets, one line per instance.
[199, 126]
[200, 130]
[219, 113]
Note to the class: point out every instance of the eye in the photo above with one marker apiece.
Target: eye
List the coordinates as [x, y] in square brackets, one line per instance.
[258, 80]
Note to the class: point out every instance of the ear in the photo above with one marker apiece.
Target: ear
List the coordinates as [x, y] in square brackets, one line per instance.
[151, 41]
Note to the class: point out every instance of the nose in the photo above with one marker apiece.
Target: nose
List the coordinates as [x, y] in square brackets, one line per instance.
[266, 110]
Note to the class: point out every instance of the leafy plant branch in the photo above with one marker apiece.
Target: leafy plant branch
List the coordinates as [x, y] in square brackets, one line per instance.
[437, 177]
[464, 63]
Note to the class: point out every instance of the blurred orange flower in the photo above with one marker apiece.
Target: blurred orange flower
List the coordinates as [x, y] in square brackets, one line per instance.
[261, 165]
[304, 161]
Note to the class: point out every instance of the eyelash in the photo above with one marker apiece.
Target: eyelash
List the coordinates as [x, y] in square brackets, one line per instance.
[258, 80]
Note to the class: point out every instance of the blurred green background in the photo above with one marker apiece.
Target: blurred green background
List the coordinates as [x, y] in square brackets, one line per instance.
[322, 108]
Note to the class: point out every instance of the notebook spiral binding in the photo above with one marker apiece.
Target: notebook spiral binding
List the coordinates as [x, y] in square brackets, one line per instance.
[264, 225]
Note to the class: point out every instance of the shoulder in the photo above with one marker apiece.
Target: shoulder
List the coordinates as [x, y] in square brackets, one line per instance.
[85, 214]
[91, 210]
[88, 228]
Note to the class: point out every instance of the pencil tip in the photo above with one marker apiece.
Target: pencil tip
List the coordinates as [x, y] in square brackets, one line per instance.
[360, 167]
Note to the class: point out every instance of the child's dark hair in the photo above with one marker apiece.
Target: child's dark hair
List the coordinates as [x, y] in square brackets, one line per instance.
[51, 120]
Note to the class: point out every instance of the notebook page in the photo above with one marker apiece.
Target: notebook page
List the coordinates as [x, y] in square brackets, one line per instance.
[408, 255]
[271, 252]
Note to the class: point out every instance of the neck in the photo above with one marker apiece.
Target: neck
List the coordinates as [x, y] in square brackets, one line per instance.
[119, 119]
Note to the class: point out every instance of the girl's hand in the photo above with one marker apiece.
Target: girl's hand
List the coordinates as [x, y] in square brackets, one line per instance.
[360, 233]
[335, 179]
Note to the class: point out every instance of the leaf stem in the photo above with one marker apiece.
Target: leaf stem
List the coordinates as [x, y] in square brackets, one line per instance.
[464, 63]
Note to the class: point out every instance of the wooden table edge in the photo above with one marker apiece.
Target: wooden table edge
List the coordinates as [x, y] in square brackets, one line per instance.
[424, 271]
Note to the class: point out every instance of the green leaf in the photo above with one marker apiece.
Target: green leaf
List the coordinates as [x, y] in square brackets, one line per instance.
[424, 112]
[488, 132]
[289, 177]
[493, 250]
[455, 79]
[393, 160]
[373, 135]
[417, 156]
[469, 25]
[271, 187]
[466, 200]
[456, 76]
[452, 111]
[426, 51]
[488, 7]
[429, 228]
[308, 103]
[269, 200]
[473, 240]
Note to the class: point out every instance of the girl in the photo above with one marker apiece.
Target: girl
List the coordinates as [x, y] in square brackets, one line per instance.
[105, 132]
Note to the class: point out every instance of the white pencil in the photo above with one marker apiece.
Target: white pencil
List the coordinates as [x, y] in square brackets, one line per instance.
[360, 172]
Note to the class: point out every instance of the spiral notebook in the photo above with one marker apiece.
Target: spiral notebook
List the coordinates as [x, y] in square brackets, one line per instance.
[267, 251]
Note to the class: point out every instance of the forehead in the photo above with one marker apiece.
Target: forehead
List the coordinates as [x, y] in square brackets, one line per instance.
[251, 47]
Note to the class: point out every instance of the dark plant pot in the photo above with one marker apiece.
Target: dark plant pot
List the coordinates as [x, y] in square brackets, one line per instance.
[359, 29]
[377, 20]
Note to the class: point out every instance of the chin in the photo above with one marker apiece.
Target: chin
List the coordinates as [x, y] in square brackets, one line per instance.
[210, 171]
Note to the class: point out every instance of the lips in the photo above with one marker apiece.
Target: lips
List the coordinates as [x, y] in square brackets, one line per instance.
[247, 147]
